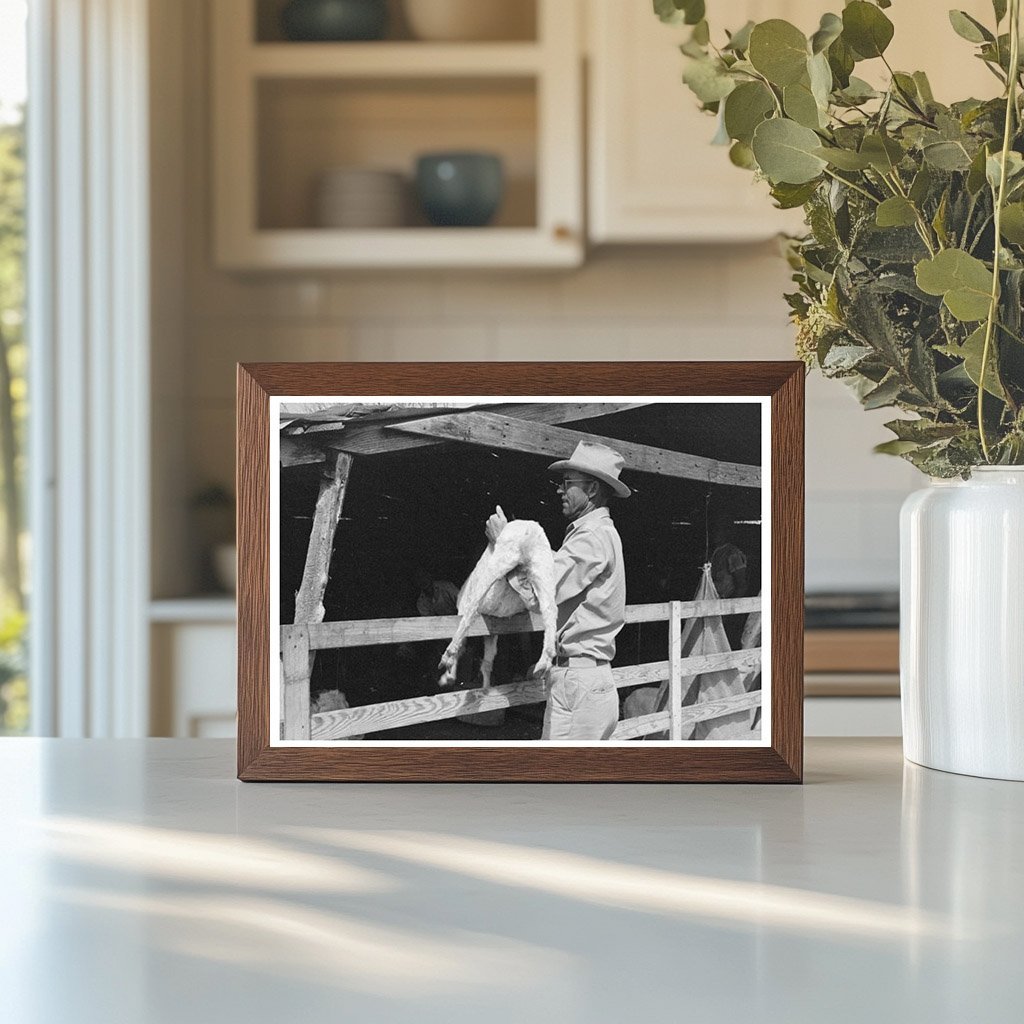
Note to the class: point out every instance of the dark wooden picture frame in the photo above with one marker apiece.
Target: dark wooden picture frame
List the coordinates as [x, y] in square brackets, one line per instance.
[780, 760]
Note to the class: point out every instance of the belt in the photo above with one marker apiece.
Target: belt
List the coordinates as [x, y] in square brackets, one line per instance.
[579, 661]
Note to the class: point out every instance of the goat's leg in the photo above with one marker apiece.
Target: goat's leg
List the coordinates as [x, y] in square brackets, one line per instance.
[543, 589]
[495, 564]
[487, 664]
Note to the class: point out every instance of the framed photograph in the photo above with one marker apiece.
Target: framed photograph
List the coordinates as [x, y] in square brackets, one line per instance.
[517, 572]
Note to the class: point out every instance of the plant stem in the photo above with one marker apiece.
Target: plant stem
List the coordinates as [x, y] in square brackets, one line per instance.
[922, 225]
[854, 186]
[993, 309]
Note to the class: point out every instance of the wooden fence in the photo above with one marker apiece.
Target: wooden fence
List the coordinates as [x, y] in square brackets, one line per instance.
[300, 641]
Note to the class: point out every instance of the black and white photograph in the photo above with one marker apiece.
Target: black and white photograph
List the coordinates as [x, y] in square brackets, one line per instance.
[513, 571]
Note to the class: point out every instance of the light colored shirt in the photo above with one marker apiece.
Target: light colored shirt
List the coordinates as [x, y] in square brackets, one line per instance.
[590, 587]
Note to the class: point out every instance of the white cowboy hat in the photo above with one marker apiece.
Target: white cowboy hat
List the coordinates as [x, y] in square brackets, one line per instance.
[596, 460]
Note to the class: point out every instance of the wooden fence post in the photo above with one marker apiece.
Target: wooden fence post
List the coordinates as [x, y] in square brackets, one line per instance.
[297, 664]
[309, 601]
[675, 671]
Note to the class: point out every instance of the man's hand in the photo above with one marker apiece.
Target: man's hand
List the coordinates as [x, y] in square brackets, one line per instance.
[495, 524]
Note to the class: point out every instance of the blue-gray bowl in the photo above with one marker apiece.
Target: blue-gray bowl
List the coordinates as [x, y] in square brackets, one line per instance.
[460, 189]
[331, 21]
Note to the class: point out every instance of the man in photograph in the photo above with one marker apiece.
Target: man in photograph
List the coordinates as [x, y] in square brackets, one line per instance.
[590, 591]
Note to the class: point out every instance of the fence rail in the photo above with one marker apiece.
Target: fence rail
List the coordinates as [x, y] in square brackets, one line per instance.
[299, 642]
[365, 632]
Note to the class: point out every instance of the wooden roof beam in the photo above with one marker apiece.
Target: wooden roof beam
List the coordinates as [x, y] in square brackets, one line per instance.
[516, 434]
[378, 437]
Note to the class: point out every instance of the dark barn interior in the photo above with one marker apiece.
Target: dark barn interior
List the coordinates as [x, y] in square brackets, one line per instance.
[425, 508]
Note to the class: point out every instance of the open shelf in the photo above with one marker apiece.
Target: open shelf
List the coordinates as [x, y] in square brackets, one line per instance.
[393, 60]
[519, 19]
[287, 113]
[308, 127]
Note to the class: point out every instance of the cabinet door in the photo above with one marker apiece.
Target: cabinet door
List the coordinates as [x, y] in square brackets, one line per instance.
[653, 174]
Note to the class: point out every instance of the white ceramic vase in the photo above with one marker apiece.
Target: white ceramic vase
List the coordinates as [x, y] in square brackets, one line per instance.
[962, 624]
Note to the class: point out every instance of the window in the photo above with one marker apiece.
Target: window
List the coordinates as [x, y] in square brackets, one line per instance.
[14, 550]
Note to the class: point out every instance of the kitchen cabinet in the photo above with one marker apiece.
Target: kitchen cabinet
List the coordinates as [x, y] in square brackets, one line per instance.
[286, 113]
[192, 647]
[653, 175]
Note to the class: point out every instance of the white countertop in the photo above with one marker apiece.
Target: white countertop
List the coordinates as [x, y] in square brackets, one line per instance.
[142, 884]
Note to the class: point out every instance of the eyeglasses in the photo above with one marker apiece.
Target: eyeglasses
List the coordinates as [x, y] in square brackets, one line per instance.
[566, 482]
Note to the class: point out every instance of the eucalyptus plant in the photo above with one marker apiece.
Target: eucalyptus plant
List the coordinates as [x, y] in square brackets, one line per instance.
[909, 279]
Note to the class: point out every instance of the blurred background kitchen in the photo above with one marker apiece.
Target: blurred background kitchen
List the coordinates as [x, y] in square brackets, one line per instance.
[247, 180]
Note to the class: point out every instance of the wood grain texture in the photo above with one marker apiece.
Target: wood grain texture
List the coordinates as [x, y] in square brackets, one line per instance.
[781, 762]
[396, 714]
[309, 602]
[391, 715]
[252, 485]
[493, 431]
[704, 711]
[787, 543]
[409, 629]
[852, 650]
[675, 672]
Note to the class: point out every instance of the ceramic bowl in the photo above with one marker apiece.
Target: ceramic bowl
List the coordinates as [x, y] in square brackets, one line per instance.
[334, 20]
[359, 197]
[460, 189]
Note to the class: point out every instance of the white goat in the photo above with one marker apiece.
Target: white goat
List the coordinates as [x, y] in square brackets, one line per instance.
[516, 573]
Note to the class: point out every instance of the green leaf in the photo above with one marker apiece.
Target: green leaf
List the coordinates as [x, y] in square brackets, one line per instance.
[971, 352]
[866, 29]
[896, 212]
[701, 33]
[742, 155]
[844, 159]
[906, 89]
[976, 175]
[883, 153]
[745, 108]
[923, 431]
[676, 12]
[1012, 223]
[785, 152]
[924, 88]
[968, 28]
[885, 394]
[939, 220]
[1014, 169]
[946, 156]
[895, 447]
[999, 6]
[921, 186]
[800, 105]
[739, 41]
[963, 281]
[830, 29]
[789, 197]
[820, 76]
[778, 50]
[858, 91]
[707, 80]
[841, 60]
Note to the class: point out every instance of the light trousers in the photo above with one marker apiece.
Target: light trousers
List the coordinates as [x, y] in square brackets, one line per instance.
[583, 704]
